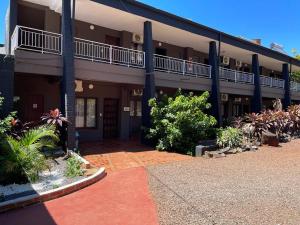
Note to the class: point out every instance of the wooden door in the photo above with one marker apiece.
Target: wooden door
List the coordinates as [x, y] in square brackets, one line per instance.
[34, 108]
[110, 118]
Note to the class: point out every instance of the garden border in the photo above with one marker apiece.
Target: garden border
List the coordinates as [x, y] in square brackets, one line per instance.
[52, 194]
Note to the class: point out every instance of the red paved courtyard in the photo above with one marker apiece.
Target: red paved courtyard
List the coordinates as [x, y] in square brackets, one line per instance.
[116, 155]
[121, 198]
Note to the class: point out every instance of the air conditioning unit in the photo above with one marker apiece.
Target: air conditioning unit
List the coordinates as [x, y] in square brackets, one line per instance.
[225, 60]
[238, 63]
[137, 38]
[224, 97]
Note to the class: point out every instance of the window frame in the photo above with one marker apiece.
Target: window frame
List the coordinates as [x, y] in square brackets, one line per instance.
[85, 100]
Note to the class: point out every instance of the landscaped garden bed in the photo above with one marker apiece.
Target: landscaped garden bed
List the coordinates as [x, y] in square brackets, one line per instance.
[182, 123]
[49, 179]
[34, 158]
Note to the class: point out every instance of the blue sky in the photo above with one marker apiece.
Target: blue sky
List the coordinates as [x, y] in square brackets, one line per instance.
[271, 20]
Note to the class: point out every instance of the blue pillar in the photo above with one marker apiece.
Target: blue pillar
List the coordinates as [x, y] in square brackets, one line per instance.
[11, 23]
[149, 88]
[256, 105]
[215, 97]
[287, 90]
[68, 78]
[7, 66]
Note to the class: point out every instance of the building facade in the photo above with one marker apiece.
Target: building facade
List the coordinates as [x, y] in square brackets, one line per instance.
[100, 61]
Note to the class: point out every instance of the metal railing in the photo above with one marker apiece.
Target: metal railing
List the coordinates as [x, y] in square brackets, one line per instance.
[111, 54]
[271, 82]
[180, 66]
[236, 76]
[36, 40]
[47, 42]
[295, 86]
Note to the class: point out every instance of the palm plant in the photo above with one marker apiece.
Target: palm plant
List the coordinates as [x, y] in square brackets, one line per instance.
[25, 155]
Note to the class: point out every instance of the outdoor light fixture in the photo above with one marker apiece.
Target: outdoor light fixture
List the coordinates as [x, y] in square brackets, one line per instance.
[161, 92]
[91, 86]
[92, 27]
[159, 44]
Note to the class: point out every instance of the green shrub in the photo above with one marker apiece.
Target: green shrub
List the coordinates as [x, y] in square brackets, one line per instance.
[229, 137]
[73, 167]
[179, 122]
[23, 157]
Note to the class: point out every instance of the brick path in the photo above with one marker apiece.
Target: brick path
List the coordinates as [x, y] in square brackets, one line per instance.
[116, 155]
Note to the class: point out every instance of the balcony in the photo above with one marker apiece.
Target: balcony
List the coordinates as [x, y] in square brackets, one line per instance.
[181, 67]
[271, 82]
[47, 42]
[236, 76]
[295, 86]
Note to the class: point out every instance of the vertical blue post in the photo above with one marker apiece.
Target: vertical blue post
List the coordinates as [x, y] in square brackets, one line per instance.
[287, 90]
[215, 88]
[68, 78]
[256, 105]
[149, 88]
[11, 21]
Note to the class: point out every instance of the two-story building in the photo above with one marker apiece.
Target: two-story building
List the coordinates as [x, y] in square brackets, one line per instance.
[100, 61]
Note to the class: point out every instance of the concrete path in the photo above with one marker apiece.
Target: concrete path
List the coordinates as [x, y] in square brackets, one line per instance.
[121, 198]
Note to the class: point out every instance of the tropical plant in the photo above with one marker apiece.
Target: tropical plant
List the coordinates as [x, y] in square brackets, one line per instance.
[24, 156]
[179, 122]
[229, 137]
[56, 118]
[5, 123]
[73, 167]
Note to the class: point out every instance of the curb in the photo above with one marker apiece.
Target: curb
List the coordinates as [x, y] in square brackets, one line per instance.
[52, 194]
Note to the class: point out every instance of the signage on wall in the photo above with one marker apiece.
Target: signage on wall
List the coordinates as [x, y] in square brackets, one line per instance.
[78, 86]
[126, 109]
[237, 99]
[137, 92]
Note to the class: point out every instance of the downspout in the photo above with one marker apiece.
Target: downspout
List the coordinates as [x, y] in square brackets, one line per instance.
[73, 17]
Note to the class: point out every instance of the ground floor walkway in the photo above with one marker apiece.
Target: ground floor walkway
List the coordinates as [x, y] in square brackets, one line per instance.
[121, 198]
[116, 155]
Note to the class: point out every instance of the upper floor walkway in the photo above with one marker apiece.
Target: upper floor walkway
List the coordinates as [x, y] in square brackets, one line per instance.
[35, 40]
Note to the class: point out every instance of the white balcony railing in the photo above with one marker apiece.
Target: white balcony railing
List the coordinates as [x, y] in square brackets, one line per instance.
[295, 86]
[236, 76]
[271, 82]
[47, 42]
[180, 66]
[100, 52]
[36, 40]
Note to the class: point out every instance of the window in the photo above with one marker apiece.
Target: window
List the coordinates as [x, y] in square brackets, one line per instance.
[135, 108]
[86, 112]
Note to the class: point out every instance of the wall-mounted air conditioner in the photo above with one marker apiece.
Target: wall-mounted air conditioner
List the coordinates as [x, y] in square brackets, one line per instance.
[224, 97]
[137, 38]
[238, 63]
[225, 60]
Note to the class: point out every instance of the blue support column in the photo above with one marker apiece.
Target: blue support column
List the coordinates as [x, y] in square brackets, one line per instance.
[7, 66]
[215, 88]
[11, 23]
[149, 88]
[287, 90]
[256, 105]
[68, 78]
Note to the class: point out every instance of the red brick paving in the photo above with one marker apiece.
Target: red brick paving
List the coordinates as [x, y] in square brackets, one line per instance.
[116, 155]
[121, 198]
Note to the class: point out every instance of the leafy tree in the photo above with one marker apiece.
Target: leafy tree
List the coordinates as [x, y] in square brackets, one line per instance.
[296, 75]
[180, 122]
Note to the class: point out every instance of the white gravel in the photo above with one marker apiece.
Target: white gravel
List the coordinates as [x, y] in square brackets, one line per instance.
[48, 180]
[250, 188]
